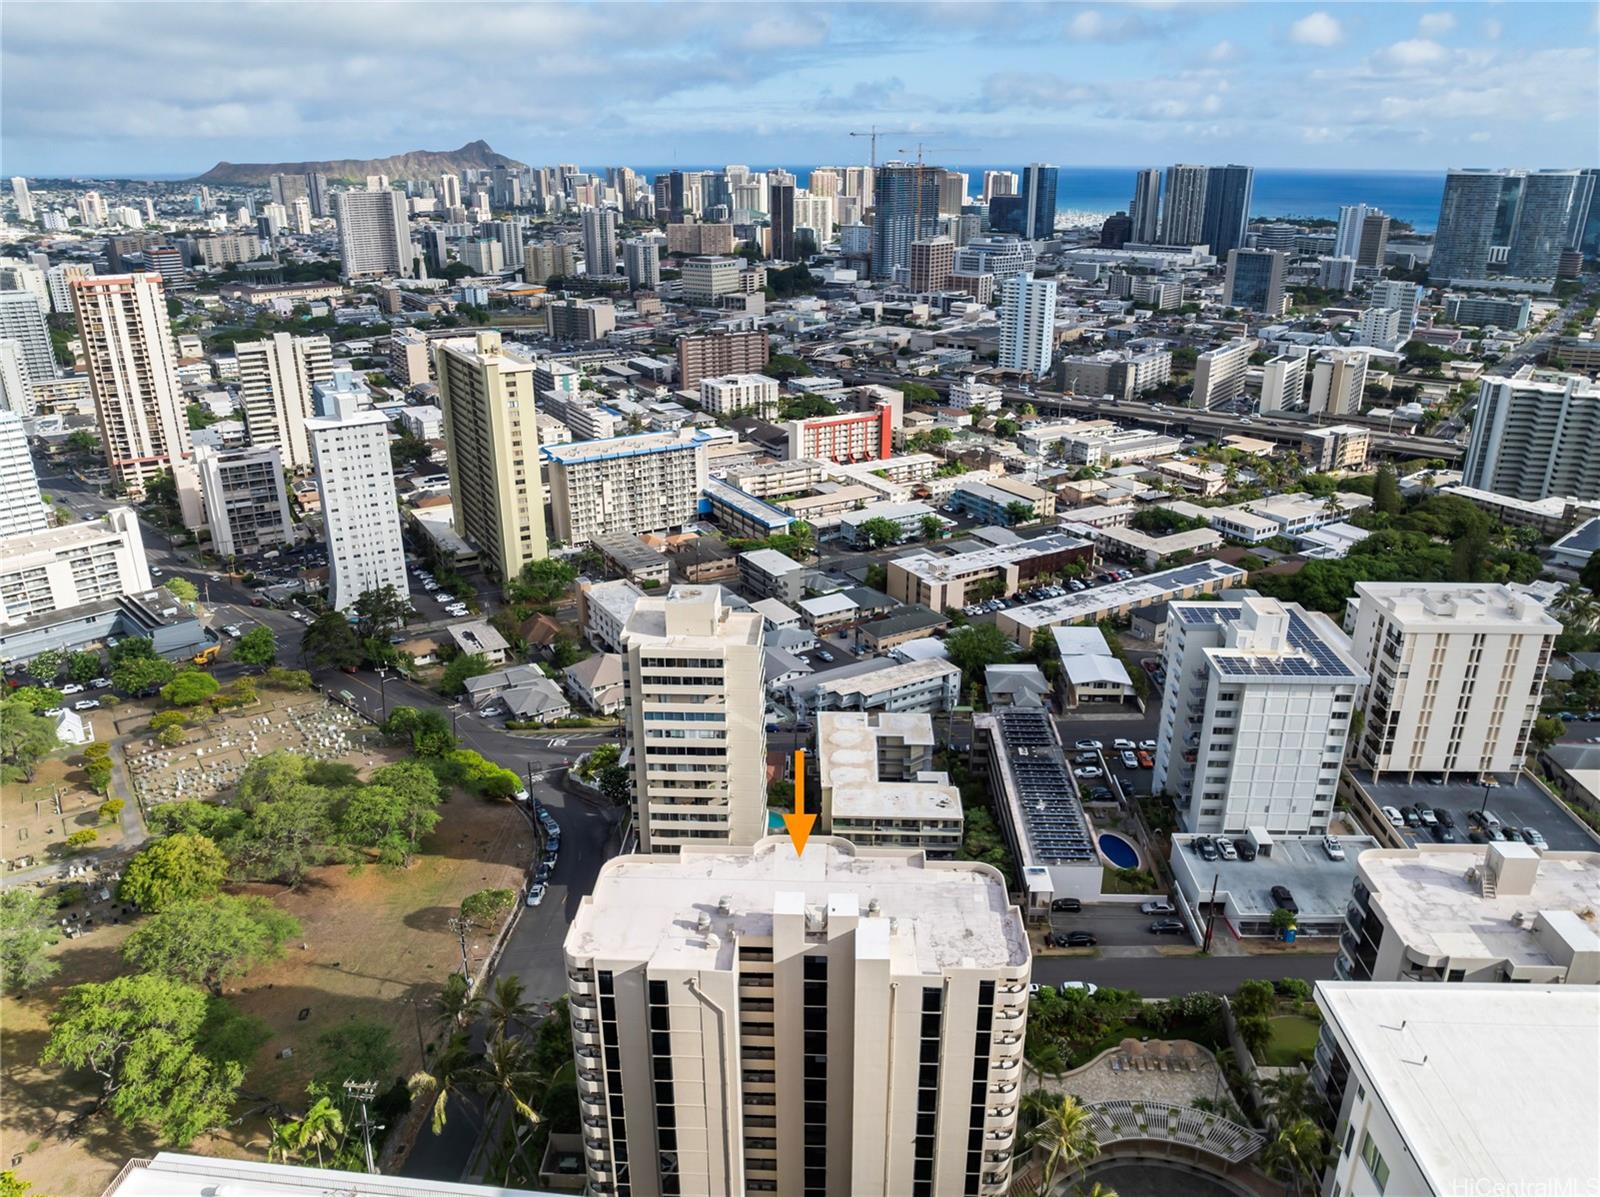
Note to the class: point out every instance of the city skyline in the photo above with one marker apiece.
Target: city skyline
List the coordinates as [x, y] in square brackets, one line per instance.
[1369, 86]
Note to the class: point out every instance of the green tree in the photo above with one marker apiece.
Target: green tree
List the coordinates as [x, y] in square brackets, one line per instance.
[976, 646]
[615, 784]
[467, 665]
[210, 941]
[1018, 512]
[26, 737]
[110, 810]
[79, 841]
[142, 675]
[47, 665]
[879, 531]
[488, 906]
[27, 929]
[330, 641]
[172, 871]
[380, 612]
[392, 819]
[320, 1129]
[1589, 575]
[1386, 498]
[454, 1073]
[83, 667]
[182, 588]
[784, 366]
[257, 647]
[1295, 1153]
[542, 582]
[427, 731]
[406, 451]
[36, 698]
[931, 527]
[1547, 730]
[1282, 920]
[1006, 428]
[145, 1038]
[190, 688]
[1065, 1133]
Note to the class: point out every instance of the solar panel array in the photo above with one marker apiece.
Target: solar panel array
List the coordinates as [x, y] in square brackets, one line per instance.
[1324, 661]
[1055, 823]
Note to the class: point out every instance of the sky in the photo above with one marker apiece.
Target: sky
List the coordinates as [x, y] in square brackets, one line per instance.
[174, 87]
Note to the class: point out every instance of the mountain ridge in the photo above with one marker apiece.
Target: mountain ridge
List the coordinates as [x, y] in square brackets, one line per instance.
[414, 164]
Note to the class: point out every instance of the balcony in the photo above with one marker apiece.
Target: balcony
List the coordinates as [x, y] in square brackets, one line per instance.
[582, 1001]
[1006, 1066]
[1003, 1087]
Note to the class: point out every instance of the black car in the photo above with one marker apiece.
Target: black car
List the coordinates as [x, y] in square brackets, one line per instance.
[1066, 906]
[1283, 899]
[1410, 817]
[1510, 833]
[1445, 835]
[1204, 846]
[1077, 939]
[1168, 927]
[1101, 794]
[1444, 817]
[1245, 849]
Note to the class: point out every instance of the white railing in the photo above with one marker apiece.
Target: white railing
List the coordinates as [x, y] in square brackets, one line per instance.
[1116, 1121]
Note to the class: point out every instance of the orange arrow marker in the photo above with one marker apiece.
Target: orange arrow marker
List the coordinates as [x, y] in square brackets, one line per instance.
[799, 824]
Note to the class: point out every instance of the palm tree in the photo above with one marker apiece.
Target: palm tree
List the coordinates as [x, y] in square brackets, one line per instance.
[1580, 607]
[1066, 1133]
[455, 1006]
[283, 1143]
[322, 1126]
[455, 1074]
[1295, 1153]
[504, 1009]
[1095, 1190]
[508, 1071]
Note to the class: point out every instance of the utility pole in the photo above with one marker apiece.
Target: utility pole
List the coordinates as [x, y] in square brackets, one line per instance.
[461, 927]
[362, 1092]
[1211, 912]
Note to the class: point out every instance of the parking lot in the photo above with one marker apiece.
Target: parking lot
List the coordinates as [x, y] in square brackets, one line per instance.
[1517, 804]
[1112, 926]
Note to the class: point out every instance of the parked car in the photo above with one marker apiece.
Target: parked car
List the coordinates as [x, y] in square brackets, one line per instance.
[1158, 906]
[86, 704]
[1066, 905]
[1204, 846]
[1443, 834]
[1168, 927]
[535, 895]
[1120, 744]
[1444, 816]
[1146, 761]
[1245, 849]
[1077, 939]
[1532, 836]
[1225, 848]
[72, 688]
[1129, 761]
[1089, 745]
[1392, 813]
[1425, 813]
[1332, 846]
[1088, 771]
[1410, 816]
[1087, 988]
[824, 654]
[1148, 745]
[1086, 758]
[1283, 899]
[99, 683]
[1510, 833]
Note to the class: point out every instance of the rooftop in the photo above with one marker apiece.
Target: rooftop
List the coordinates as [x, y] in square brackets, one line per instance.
[172, 1174]
[1493, 1086]
[770, 561]
[1271, 639]
[1321, 886]
[942, 914]
[1427, 899]
[934, 567]
[1451, 605]
[1043, 798]
[624, 446]
[1088, 605]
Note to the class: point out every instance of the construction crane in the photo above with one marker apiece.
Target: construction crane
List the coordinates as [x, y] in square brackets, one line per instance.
[874, 133]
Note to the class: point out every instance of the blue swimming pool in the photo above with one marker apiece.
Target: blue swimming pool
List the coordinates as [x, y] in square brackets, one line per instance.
[1119, 851]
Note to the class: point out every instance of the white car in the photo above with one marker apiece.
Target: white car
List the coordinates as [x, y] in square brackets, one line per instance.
[215, 577]
[72, 688]
[1158, 906]
[1392, 813]
[1089, 745]
[430, 587]
[1148, 745]
[54, 711]
[1087, 988]
[99, 683]
[535, 895]
[1088, 772]
[86, 704]
[233, 630]
[1123, 745]
[445, 596]
[1332, 847]
[1225, 848]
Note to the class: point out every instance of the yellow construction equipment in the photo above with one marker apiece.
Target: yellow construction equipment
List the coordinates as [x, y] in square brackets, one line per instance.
[207, 655]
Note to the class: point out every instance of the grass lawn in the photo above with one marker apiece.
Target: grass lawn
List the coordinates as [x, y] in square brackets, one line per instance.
[1293, 1041]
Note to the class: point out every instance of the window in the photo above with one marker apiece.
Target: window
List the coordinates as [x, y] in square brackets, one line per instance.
[1374, 1161]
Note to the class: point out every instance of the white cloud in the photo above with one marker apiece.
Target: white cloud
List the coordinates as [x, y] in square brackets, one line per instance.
[1317, 29]
[1433, 24]
[1092, 25]
[1412, 54]
[1492, 29]
[1223, 51]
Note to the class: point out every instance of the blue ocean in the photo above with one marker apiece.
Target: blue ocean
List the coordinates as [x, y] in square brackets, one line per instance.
[1410, 196]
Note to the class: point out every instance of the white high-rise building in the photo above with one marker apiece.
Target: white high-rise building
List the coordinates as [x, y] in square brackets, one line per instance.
[1405, 298]
[848, 1022]
[21, 505]
[1457, 671]
[1378, 328]
[735, 393]
[1347, 239]
[133, 375]
[24, 201]
[22, 319]
[19, 275]
[1028, 324]
[1219, 373]
[361, 518]
[641, 258]
[276, 378]
[16, 387]
[59, 280]
[599, 242]
[246, 502]
[86, 562]
[693, 670]
[1283, 383]
[1338, 381]
[1413, 1113]
[1262, 693]
[999, 182]
[450, 190]
[374, 234]
[301, 213]
[1534, 436]
[646, 482]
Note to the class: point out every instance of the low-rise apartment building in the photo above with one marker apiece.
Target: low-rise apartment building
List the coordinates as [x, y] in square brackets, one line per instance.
[994, 501]
[1118, 599]
[72, 565]
[878, 787]
[732, 394]
[947, 581]
[1336, 447]
[767, 573]
[603, 611]
[881, 684]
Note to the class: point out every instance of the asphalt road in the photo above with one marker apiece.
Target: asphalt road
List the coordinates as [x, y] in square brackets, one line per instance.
[1169, 976]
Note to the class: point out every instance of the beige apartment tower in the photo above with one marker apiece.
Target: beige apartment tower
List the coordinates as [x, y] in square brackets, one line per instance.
[846, 1022]
[1457, 670]
[133, 375]
[692, 668]
[491, 435]
[275, 381]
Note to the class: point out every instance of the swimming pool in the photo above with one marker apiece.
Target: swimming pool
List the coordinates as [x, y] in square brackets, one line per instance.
[1119, 851]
